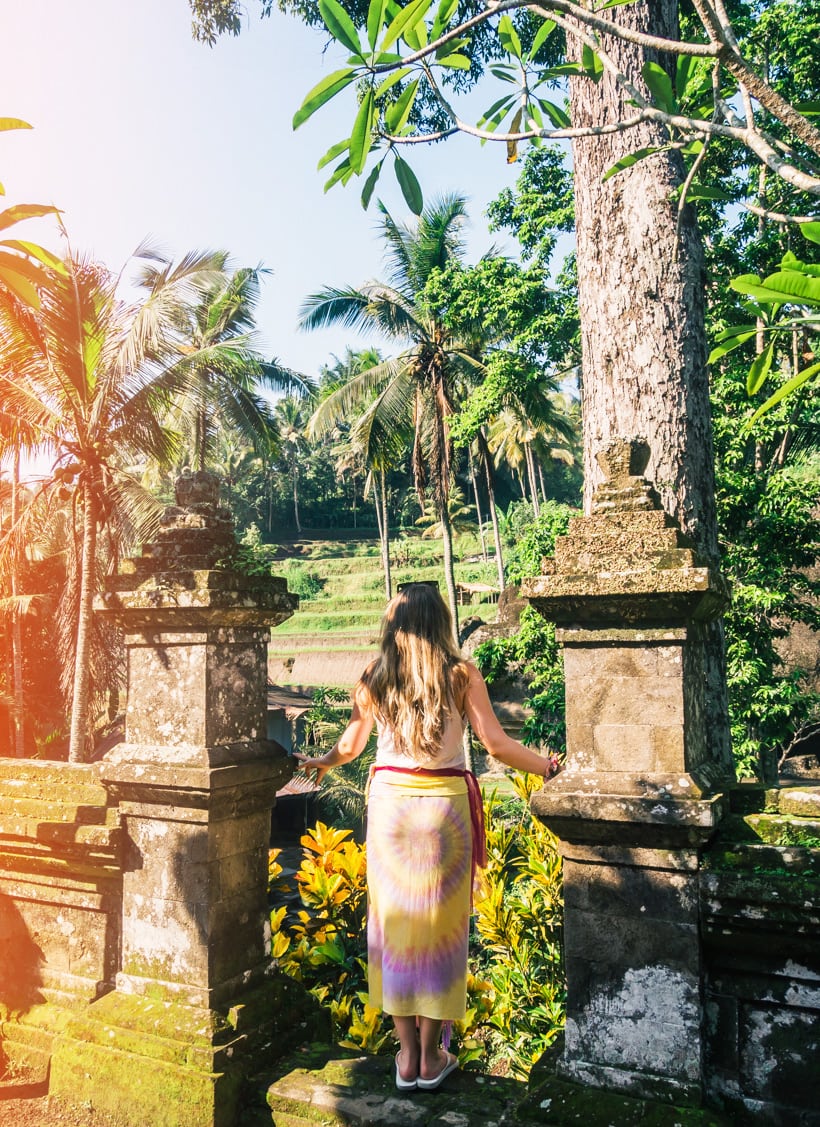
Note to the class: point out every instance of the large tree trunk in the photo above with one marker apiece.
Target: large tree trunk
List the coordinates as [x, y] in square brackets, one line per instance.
[641, 304]
[80, 696]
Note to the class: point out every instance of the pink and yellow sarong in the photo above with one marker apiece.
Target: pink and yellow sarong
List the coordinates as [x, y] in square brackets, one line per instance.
[420, 853]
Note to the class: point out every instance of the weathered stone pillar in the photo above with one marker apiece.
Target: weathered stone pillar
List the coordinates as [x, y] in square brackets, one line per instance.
[195, 781]
[639, 798]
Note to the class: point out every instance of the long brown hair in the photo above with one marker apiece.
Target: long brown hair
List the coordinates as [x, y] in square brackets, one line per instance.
[419, 677]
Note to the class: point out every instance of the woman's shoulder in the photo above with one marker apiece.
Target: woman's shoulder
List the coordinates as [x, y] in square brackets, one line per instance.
[466, 675]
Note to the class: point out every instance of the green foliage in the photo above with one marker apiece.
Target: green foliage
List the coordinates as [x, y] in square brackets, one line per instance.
[769, 526]
[784, 304]
[535, 540]
[302, 580]
[535, 654]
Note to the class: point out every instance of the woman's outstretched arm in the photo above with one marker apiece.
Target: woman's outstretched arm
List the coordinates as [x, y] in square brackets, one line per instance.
[484, 723]
[349, 745]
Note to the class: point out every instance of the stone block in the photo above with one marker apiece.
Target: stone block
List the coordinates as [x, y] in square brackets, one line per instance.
[602, 944]
[623, 747]
[632, 894]
[637, 1045]
[779, 1051]
[176, 715]
[166, 940]
[668, 748]
[611, 660]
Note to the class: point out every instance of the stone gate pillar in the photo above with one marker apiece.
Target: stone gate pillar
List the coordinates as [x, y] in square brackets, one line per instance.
[195, 781]
[639, 797]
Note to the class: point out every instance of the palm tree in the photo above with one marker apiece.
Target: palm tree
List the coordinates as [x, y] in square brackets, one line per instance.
[406, 400]
[88, 380]
[353, 450]
[290, 429]
[221, 389]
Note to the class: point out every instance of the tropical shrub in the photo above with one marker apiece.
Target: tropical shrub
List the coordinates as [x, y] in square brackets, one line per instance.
[518, 920]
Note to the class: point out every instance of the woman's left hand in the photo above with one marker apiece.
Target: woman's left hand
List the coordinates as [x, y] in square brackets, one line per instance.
[308, 765]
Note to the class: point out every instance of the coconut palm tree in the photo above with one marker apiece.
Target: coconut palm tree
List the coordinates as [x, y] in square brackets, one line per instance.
[353, 449]
[407, 400]
[221, 390]
[88, 380]
[289, 422]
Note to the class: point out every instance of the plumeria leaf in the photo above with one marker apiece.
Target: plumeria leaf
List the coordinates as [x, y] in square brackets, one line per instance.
[788, 387]
[455, 62]
[410, 187]
[446, 10]
[660, 86]
[629, 160]
[396, 116]
[391, 80]
[759, 370]
[361, 137]
[375, 19]
[33, 250]
[22, 211]
[506, 102]
[731, 343]
[512, 144]
[545, 30]
[370, 183]
[508, 37]
[340, 25]
[342, 171]
[557, 116]
[811, 231]
[322, 92]
[333, 152]
[592, 64]
[407, 17]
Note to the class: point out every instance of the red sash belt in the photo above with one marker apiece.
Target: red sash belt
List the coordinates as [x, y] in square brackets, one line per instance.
[479, 860]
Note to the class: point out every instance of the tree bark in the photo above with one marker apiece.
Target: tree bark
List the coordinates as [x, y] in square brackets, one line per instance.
[384, 533]
[641, 305]
[536, 506]
[449, 573]
[486, 461]
[80, 696]
[474, 483]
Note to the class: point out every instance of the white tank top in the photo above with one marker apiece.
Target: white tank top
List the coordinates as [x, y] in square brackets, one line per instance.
[451, 754]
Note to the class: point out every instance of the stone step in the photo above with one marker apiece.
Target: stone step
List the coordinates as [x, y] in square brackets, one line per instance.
[37, 810]
[785, 829]
[50, 790]
[324, 1085]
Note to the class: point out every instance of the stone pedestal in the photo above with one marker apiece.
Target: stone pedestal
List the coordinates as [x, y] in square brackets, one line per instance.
[640, 796]
[195, 782]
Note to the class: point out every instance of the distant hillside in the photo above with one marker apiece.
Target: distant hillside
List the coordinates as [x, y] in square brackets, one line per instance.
[333, 635]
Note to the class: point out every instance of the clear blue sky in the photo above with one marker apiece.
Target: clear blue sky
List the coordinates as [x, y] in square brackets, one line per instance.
[139, 131]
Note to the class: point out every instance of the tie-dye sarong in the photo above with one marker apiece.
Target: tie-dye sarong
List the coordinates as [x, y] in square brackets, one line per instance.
[419, 853]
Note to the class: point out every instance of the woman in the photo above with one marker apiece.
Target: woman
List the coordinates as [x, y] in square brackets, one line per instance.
[425, 824]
